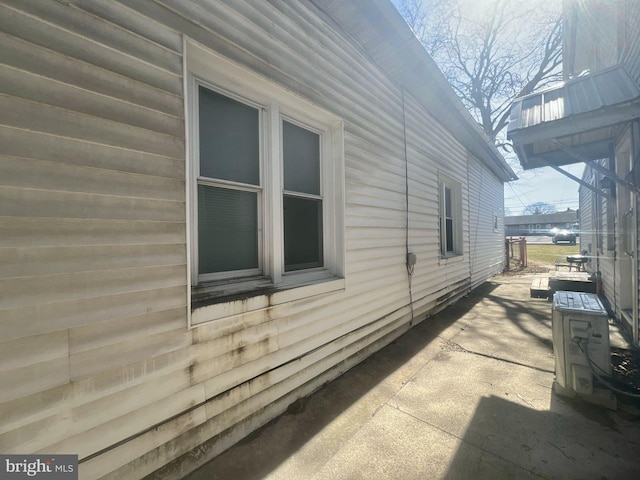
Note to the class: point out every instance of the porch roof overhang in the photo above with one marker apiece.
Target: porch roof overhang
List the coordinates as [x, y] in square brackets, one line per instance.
[575, 121]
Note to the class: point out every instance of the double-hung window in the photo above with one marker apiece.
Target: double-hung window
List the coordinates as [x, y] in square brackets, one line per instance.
[266, 182]
[229, 187]
[302, 199]
[450, 217]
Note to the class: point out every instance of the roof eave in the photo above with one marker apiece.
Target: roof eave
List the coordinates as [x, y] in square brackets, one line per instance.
[401, 55]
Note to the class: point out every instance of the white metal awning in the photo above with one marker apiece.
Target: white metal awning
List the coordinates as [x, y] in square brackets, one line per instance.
[575, 121]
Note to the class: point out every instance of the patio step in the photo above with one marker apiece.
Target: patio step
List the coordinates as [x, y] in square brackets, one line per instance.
[571, 282]
[540, 287]
[546, 286]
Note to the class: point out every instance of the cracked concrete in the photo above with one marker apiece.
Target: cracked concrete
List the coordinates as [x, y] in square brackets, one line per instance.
[464, 395]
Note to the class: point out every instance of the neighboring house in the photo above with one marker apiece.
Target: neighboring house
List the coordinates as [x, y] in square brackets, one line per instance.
[594, 117]
[206, 210]
[542, 224]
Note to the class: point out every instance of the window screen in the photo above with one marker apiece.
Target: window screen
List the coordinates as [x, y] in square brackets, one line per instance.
[229, 139]
[302, 203]
[448, 220]
[227, 230]
[302, 233]
[301, 158]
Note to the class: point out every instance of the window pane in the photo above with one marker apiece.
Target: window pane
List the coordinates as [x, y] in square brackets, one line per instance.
[449, 234]
[447, 202]
[229, 139]
[302, 233]
[301, 158]
[227, 229]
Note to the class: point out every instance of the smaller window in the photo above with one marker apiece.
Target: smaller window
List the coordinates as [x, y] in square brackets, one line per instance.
[302, 199]
[450, 217]
[496, 226]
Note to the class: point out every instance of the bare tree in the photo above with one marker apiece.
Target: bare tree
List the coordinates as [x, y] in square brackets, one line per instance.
[429, 21]
[539, 208]
[489, 56]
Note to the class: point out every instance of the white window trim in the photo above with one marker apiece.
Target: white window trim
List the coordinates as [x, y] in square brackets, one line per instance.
[324, 161]
[194, 163]
[205, 67]
[456, 201]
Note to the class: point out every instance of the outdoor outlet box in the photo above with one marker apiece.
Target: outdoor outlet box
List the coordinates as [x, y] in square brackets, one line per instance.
[411, 259]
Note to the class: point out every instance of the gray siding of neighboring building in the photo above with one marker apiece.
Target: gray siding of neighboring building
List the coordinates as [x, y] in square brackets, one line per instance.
[96, 357]
[601, 34]
[539, 224]
[629, 38]
[593, 232]
[587, 198]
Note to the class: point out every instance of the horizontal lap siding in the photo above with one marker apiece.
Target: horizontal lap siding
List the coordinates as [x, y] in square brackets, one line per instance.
[92, 228]
[631, 56]
[94, 346]
[587, 199]
[432, 150]
[486, 199]
[592, 217]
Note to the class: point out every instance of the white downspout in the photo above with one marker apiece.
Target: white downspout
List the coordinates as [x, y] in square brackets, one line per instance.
[634, 269]
[635, 154]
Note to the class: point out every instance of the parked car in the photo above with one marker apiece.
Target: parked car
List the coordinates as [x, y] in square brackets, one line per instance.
[564, 236]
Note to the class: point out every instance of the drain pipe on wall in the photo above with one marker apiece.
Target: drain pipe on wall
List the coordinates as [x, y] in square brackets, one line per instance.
[635, 152]
[411, 258]
[634, 270]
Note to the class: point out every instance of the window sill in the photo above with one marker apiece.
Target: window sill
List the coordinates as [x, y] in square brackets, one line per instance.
[451, 258]
[215, 300]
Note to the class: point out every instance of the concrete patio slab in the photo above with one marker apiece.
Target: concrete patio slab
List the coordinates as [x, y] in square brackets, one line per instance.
[465, 394]
[396, 445]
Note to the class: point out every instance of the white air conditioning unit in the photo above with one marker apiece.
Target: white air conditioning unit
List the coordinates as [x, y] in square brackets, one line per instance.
[580, 327]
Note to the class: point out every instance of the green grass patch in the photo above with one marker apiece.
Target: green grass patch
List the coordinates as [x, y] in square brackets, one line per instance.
[549, 254]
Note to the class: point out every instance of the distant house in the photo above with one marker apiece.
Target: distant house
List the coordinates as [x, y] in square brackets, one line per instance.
[207, 210]
[542, 224]
[594, 117]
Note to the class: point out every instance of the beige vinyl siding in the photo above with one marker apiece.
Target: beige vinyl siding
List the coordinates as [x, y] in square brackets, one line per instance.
[93, 242]
[430, 150]
[92, 230]
[486, 199]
